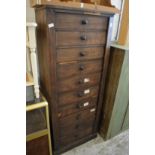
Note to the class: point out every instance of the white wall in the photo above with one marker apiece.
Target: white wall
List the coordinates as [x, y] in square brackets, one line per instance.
[118, 4]
[30, 14]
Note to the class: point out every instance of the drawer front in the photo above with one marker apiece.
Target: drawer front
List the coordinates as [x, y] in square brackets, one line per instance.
[81, 81]
[76, 107]
[74, 54]
[76, 127]
[84, 115]
[80, 22]
[75, 136]
[69, 38]
[65, 70]
[77, 96]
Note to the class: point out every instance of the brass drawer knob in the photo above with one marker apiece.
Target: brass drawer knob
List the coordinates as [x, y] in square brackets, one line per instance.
[83, 37]
[84, 22]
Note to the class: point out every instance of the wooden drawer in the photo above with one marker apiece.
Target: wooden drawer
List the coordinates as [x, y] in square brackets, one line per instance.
[76, 82]
[76, 107]
[69, 38]
[77, 96]
[75, 136]
[74, 54]
[65, 70]
[84, 115]
[80, 22]
[76, 127]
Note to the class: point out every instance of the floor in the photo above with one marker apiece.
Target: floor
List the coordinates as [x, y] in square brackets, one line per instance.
[119, 145]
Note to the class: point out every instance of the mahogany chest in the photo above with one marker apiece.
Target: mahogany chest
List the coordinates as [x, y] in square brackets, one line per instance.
[73, 50]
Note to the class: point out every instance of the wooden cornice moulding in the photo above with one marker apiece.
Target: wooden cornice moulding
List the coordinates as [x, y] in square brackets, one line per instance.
[106, 8]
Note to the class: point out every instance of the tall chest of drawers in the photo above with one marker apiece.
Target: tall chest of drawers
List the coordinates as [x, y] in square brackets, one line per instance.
[73, 51]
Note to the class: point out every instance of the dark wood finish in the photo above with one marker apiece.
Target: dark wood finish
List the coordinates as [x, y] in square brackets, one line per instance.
[80, 38]
[104, 72]
[80, 22]
[77, 47]
[76, 96]
[75, 143]
[38, 146]
[80, 116]
[75, 54]
[79, 81]
[47, 65]
[76, 127]
[66, 70]
[77, 106]
[75, 136]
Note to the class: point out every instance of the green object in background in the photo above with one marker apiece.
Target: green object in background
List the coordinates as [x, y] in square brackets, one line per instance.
[115, 116]
[126, 120]
[120, 114]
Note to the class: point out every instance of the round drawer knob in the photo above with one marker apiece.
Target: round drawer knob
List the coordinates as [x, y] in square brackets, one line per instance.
[84, 22]
[83, 37]
[82, 54]
[79, 106]
[80, 94]
[80, 81]
[81, 67]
